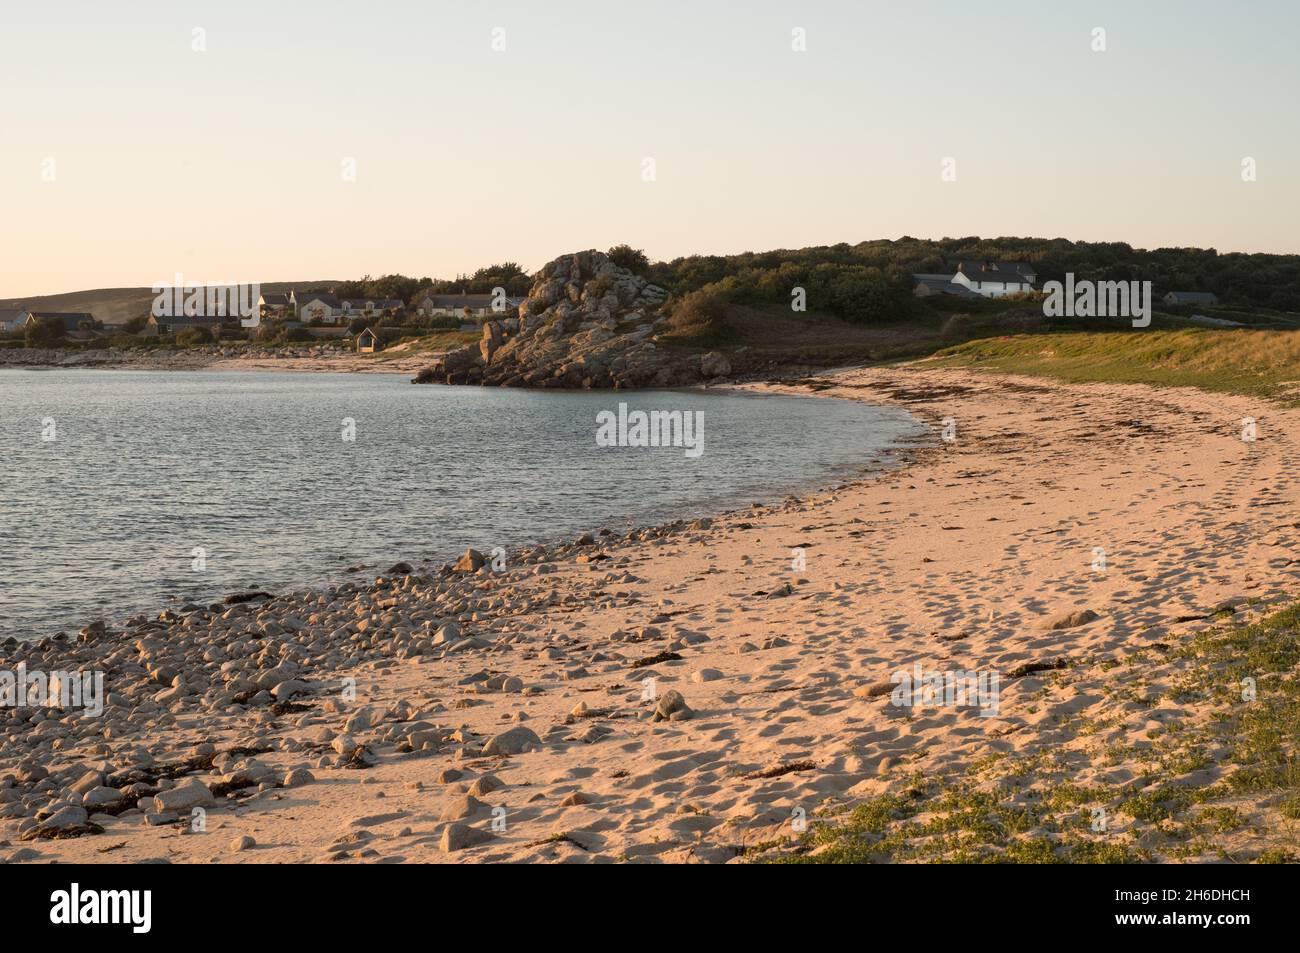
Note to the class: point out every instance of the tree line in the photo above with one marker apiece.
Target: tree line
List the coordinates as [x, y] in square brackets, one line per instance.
[506, 275]
[871, 281]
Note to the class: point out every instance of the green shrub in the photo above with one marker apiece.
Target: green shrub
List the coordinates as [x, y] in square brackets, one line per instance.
[1291, 807]
[633, 259]
[194, 337]
[42, 333]
[699, 320]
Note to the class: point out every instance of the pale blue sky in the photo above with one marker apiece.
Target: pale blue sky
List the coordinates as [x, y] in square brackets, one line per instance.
[225, 165]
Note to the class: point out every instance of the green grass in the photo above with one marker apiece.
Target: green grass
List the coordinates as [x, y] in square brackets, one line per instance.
[434, 342]
[1240, 361]
[1027, 807]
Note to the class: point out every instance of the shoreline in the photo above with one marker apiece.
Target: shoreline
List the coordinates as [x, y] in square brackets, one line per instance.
[524, 692]
[321, 360]
[891, 456]
[172, 596]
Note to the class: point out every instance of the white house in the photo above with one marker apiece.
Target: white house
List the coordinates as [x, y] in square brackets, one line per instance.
[368, 308]
[11, 319]
[994, 279]
[455, 306]
[273, 305]
[316, 305]
[924, 286]
[331, 309]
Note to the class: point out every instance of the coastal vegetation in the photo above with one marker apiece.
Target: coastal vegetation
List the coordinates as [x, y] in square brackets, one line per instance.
[866, 281]
[1261, 363]
[870, 281]
[842, 304]
[508, 275]
[1221, 786]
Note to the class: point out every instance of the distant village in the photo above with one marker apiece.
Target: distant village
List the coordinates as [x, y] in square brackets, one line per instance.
[367, 323]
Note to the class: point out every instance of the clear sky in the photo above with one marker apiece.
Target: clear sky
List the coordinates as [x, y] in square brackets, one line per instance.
[228, 164]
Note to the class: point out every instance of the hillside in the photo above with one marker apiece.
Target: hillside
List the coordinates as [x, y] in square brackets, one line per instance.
[871, 281]
[119, 305]
[864, 283]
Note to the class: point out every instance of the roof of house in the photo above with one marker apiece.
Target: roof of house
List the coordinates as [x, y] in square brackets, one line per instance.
[193, 320]
[457, 301]
[69, 319]
[307, 297]
[1194, 296]
[943, 284]
[997, 271]
[383, 304]
[276, 300]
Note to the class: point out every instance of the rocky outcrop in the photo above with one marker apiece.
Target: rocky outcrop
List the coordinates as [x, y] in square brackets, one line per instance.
[586, 323]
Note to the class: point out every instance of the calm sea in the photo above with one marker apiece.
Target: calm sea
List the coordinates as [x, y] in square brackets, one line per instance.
[118, 484]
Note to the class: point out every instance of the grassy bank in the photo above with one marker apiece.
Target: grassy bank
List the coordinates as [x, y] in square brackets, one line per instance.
[1221, 782]
[435, 342]
[1239, 361]
[1007, 335]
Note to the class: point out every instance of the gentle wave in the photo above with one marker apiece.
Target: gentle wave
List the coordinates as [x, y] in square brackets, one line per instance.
[252, 468]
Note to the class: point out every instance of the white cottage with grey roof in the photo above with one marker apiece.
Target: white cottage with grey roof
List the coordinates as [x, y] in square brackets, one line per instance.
[316, 306]
[11, 319]
[368, 307]
[994, 279]
[431, 305]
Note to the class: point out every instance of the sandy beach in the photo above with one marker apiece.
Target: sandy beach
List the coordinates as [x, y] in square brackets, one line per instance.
[712, 691]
